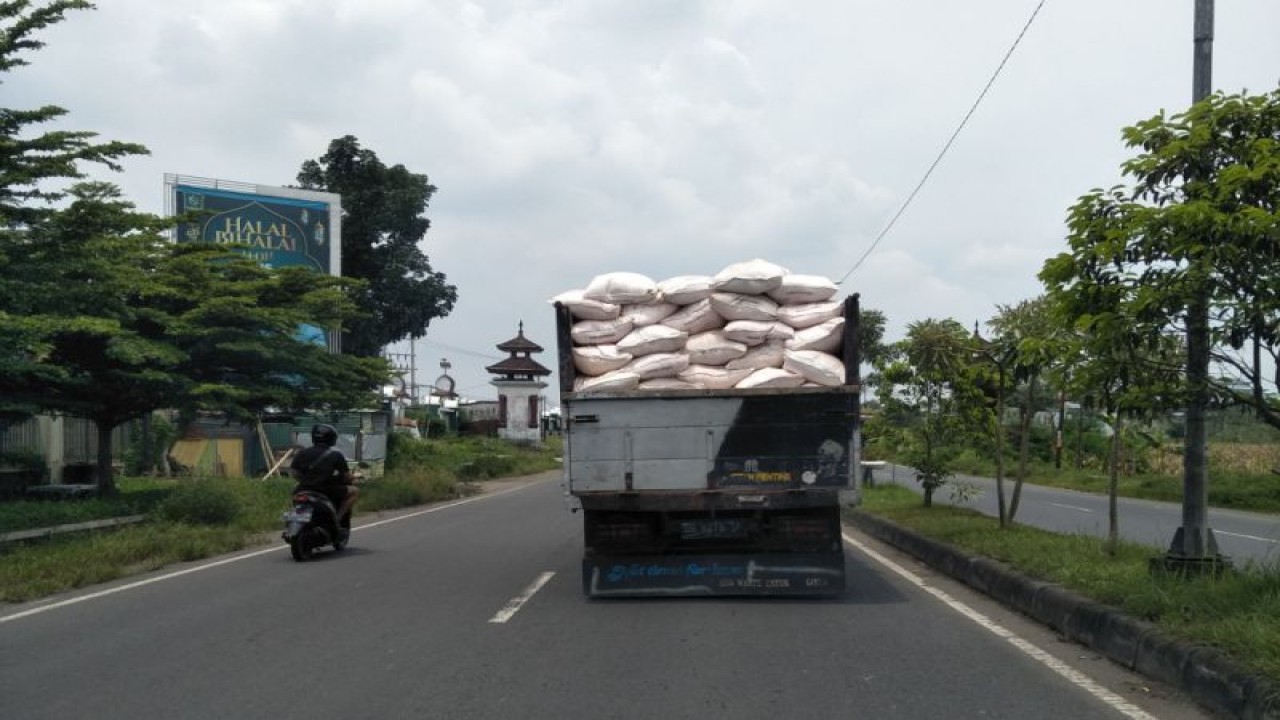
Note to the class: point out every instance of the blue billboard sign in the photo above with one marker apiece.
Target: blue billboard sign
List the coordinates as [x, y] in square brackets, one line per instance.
[275, 231]
[278, 227]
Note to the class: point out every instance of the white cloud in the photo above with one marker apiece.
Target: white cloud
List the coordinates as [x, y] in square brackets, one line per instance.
[665, 136]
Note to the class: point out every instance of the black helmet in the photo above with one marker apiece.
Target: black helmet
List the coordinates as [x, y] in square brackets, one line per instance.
[324, 435]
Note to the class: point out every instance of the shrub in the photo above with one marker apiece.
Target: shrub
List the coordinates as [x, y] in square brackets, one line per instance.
[407, 487]
[487, 466]
[406, 451]
[200, 502]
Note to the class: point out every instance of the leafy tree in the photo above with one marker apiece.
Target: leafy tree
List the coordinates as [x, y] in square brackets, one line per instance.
[383, 222]
[1126, 379]
[931, 377]
[1036, 341]
[1192, 246]
[991, 375]
[27, 162]
[871, 326]
[104, 319]
[119, 322]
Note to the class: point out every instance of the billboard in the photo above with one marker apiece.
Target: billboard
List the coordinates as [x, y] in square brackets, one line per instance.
[277, 226]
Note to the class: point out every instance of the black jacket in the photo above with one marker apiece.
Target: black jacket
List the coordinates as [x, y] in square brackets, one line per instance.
[320, 465]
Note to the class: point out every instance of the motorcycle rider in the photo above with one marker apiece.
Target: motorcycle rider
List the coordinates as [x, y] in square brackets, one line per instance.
[323, 468]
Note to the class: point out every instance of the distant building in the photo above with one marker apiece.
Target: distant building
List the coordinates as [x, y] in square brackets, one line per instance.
[478, 410]
[519, 383]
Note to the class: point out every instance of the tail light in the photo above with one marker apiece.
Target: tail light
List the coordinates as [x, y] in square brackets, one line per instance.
[622, 531]
[804, 530]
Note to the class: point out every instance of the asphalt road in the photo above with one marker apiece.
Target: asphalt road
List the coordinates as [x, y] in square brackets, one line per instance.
[1242, 536]
[474, 610]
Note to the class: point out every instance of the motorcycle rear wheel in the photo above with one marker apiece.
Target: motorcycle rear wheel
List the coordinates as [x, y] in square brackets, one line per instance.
[299, 547]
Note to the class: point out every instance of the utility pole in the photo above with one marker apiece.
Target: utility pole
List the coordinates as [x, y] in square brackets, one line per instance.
[1194, 549]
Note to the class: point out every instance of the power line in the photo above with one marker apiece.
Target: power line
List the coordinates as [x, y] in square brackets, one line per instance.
[462, 351]
[946, 147]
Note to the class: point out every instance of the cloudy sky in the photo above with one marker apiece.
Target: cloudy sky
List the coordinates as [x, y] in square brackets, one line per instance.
[570, 138]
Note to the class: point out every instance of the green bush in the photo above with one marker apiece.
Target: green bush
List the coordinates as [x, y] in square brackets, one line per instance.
[407, 487]
[22, 459]
[200, 502]
[406, 451]
[487, 466]
[137, 460]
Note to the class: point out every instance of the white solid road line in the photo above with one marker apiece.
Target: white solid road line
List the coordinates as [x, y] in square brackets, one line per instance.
[1247, 537]
[1071, 507]
[514, 604]
[1066, 671]
[237, 558]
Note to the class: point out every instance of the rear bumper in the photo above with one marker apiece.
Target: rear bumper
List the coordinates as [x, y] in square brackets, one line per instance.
[797, 574]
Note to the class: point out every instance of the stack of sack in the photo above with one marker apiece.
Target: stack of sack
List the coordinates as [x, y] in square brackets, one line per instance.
[752, 325]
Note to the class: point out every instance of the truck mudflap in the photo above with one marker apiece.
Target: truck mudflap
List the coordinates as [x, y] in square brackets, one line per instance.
[812, 574]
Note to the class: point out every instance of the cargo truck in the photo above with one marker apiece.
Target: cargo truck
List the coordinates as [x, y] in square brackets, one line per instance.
[712, 492]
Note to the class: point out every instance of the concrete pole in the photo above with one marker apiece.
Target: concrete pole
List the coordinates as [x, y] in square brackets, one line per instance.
[1194, 548]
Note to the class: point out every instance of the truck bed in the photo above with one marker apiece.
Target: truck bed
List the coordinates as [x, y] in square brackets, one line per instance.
[712, 492]
[699, 441]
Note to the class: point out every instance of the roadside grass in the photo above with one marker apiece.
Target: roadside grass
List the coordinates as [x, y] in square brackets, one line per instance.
[191, 519]
[1238, 613]
[1228, 488]
[137, 496]
[475, 458]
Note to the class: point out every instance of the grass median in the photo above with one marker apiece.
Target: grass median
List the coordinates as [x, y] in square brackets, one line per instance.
[1238, 613]
[191, 519]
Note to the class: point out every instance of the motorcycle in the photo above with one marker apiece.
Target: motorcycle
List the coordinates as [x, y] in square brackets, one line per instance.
[311, 524]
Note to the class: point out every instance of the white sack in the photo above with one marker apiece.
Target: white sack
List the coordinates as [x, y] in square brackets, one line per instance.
[584, 309]
[599, 359]
[796, 289]
[809, 314]
[648, 313]
[653, 339]
[685, 289]
[825, 337]
[713, 378]
[713, 348]
[768, 355]
[695, 318]
[657, 365]
[749, 332]
[736, 306]
[771, 378]
[815, 366]
[666, 383]
[781, 331]
[599, 332]
[618, 380]
[622, 288]
[752, 277]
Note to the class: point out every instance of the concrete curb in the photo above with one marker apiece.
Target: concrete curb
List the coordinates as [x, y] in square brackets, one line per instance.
[1208, 676]
[75, 527]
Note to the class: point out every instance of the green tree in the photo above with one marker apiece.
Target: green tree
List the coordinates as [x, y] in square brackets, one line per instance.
[117, 322]
[930, 380]
[28, 161]
[992, 373]
[1127, 380]
[1190, 246]
[383, 224]
[1036, 340]
[871, 327]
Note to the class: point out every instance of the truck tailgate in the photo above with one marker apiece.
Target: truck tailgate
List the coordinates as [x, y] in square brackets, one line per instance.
[702, 440]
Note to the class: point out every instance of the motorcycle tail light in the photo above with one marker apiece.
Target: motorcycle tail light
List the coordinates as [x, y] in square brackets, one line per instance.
[301, 497]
